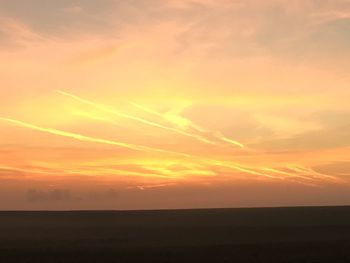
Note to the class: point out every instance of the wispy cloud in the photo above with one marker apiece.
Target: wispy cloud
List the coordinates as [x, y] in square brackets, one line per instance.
[172, 94]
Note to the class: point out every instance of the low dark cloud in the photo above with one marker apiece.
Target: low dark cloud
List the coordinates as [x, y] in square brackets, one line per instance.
[65, 195]
[55, 195]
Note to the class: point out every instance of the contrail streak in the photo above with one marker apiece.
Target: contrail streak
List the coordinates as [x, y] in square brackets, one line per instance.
[167, 118]
[221, 137]
[111, 171]
[287, 173]
[89, 172]
[131, 117]
[240, 168]
[312, 172]
[85, 138]
[142, 148]
[72, 135]
[36, 171]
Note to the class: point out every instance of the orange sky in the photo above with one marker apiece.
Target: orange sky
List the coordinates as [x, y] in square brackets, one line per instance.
[174, 103]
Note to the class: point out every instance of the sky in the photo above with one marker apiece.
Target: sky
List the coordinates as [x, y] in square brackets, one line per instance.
[164, 104]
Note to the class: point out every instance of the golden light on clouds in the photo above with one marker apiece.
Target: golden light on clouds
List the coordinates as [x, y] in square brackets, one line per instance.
[215, 100]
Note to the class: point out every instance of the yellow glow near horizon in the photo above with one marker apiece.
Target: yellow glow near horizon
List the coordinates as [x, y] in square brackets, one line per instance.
[224, 102]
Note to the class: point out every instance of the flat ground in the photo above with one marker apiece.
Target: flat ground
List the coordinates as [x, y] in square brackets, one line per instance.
[319, 234]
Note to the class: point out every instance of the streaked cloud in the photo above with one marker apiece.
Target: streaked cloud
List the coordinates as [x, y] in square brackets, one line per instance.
[173, 95]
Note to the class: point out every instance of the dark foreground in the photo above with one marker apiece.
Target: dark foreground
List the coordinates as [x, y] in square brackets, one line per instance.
[219, 235]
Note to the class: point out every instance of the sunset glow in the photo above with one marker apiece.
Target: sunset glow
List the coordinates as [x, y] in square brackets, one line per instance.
[164, 104]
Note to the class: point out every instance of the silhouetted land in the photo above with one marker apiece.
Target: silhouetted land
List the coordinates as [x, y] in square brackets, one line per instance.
[318, 234]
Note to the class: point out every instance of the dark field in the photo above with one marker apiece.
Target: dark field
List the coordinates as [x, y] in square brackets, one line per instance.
[320, 234]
